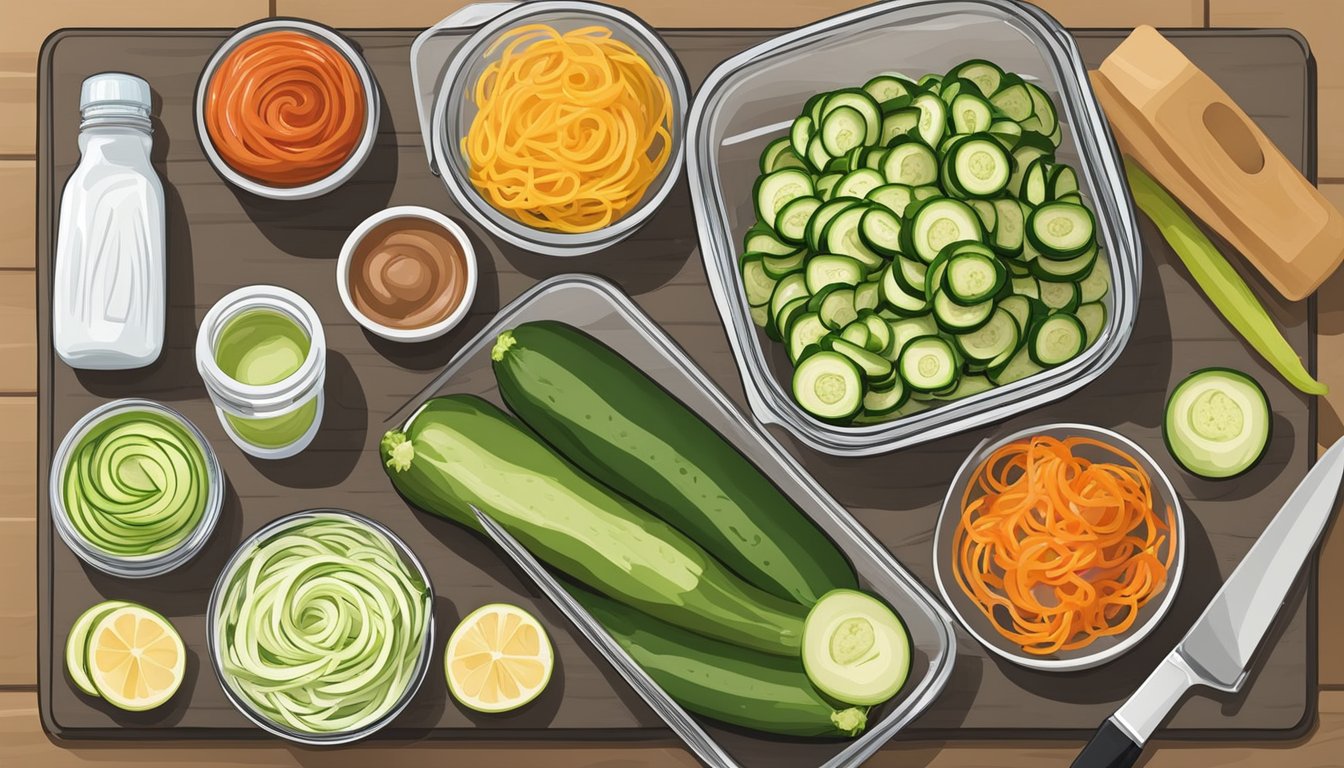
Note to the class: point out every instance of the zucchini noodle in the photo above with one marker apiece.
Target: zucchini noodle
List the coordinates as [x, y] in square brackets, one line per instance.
[572, 128]
[136, 484]
[322, 625]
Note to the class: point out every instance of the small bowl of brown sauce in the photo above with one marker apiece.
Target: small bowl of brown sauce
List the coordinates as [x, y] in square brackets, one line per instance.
[407, 273]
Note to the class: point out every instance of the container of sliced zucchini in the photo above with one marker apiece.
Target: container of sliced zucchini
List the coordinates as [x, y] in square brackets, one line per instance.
[938, 237]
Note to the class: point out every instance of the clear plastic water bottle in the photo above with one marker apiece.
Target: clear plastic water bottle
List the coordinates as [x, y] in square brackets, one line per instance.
[108, 290]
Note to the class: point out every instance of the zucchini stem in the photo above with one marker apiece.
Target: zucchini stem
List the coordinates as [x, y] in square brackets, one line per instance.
[503, 344]
[851, 721]
[400, 452]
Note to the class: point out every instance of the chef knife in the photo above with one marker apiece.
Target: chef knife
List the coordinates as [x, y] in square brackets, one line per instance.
[1217, 650]
[668, 709]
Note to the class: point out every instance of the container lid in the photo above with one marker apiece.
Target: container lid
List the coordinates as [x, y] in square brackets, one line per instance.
[115, 89]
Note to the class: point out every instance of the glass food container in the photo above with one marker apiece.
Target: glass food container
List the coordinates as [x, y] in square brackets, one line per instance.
[753, 97]
[601, 310]
[262, 355]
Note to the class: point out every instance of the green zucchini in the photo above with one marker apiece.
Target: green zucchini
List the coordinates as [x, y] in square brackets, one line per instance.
[460, 450]
[722, 681]
[620, 427]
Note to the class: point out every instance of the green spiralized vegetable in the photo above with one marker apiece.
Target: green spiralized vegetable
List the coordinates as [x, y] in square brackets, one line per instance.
[136, 484]
[1219, 281]
[322, 626]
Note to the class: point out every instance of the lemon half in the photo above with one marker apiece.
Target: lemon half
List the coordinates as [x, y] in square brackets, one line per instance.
[498, 659]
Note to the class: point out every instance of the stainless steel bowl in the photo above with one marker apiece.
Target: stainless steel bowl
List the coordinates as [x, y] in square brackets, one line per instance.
[752, 98]
[212, 630]
[980, 627]
[372, 105]
[454, 110]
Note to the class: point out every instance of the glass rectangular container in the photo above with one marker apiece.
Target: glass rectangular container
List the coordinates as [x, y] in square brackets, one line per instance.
[752, 98]
[598, 308]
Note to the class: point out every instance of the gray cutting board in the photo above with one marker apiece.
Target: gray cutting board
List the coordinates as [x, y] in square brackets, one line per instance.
[219, 238]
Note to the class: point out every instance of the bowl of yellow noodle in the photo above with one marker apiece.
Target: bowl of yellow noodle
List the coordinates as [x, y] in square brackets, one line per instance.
[559, 126]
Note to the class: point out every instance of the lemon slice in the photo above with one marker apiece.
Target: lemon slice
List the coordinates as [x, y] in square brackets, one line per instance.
[499, 658]
[136, 659]
[77, 644]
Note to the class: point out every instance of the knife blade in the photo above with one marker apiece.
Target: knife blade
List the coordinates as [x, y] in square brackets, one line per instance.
[1217, 650]
[672, 713]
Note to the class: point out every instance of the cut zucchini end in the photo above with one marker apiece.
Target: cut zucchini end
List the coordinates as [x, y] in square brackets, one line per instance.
[855, 648]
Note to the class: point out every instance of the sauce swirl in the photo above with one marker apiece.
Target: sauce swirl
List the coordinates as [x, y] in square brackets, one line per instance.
[285, 109]
[408, 273]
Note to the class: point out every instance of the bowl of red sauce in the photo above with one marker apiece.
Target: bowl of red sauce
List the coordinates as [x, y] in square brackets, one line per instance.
[286, 109]
[407, 273]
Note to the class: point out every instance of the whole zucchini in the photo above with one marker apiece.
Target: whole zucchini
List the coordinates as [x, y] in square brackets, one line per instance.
[619, 426]
[735, 685]
[461, 450]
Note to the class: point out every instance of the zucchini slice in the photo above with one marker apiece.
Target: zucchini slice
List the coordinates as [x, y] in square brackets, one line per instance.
[1093, 318]
[777, 189]
[1217, 423]
[816, 225]
[880, 230]
[858, 183]
[932, 118]
[938, 222]
[841, 237]
[992, 340]
[1014, 102]
[831, 269]
[805, 331]
[800, 134]
[910, 162]
[755, 283]
[884, 88]
[791, 222]
[979, 166]
[928, 364]
[970, 113]
[1056, 339]
[828, 385]
[842, 129]
[956, 318]
[1061, 230]
[901, 122]
[894, 197]
[970, 277]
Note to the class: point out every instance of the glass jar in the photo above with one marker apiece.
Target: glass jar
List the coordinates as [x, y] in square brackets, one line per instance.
[262, 355]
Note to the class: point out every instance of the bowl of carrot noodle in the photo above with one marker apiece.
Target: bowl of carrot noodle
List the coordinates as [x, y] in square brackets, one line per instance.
[1060, 547]
[287, 109]
[559, 126]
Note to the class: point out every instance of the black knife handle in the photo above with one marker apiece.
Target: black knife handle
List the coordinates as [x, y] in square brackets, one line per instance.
[1109, 748]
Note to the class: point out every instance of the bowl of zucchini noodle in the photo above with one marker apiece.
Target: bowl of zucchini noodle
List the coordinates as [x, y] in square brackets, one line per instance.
[321, 627]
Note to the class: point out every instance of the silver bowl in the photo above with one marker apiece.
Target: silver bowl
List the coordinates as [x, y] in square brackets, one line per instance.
[454, 111]
[1101, 650]
[372, 105]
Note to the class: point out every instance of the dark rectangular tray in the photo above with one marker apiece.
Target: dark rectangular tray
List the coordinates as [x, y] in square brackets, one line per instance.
[219, 238]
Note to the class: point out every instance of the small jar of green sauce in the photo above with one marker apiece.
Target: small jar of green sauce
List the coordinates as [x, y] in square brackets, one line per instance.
[262, 355]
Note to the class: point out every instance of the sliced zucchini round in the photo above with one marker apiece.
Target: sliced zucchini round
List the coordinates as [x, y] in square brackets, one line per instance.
[928, 364]
[860, 101]
[1217, 423]
[831, 269]
[993, 340]
[880, 230]
[939, 221]
[910, 162]
[1056, 339]
[791, 222]
[858, 183]
[957, 318]
[842, 129]
[1061, 230]
[778, 189]
[980, 166]
[828, 385]
[971, 278]
[893, 197]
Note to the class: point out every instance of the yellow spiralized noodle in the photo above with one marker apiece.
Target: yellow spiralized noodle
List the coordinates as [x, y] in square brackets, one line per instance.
[572, 128]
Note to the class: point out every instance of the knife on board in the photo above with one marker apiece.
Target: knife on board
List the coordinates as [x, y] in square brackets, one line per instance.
[672, 713]
[1218, 649]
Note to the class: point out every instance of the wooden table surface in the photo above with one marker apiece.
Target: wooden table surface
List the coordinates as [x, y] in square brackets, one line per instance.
[22, 741]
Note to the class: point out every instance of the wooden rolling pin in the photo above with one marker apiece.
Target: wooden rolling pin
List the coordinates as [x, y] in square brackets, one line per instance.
[1185, 130]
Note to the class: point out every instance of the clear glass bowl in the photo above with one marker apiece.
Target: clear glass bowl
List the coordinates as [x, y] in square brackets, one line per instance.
[1103, 649]
[601, 310]
[752, 98]
[241, 703]
[147, 565]
[454, 109]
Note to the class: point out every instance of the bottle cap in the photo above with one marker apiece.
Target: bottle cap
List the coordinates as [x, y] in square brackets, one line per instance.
[115, 89]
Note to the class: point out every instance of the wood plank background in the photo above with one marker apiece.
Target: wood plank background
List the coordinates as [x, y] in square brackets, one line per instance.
[22, 742]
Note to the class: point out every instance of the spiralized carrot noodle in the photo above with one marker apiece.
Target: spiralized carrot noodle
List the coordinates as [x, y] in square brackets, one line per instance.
[572, 128]
[1057, 550]
[285, 109]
